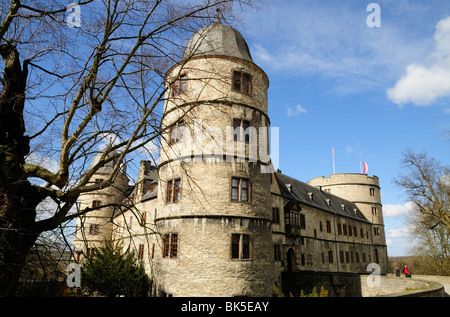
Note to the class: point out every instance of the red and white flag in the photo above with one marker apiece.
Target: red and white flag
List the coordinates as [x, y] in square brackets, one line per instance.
[365, 167]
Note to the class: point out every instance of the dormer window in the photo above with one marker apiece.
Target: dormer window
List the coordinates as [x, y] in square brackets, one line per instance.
[242, 82]
[311, 195]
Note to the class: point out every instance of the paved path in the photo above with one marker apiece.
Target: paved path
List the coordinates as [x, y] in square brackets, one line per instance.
[444, 280]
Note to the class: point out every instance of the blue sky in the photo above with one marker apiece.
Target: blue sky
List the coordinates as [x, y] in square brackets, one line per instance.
[367, 92]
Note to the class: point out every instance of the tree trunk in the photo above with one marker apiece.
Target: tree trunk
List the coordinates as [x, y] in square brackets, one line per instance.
[18, 198]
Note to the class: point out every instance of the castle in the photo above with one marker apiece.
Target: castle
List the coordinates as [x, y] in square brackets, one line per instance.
[211, 220]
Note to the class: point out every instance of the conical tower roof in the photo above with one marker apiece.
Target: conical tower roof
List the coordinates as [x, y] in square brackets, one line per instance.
[218, 40]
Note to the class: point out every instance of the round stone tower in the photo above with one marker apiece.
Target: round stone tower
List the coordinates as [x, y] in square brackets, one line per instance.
[96, 226]
[364, 191]
[214, 203]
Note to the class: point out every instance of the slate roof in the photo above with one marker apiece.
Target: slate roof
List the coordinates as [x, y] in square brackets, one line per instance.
[295, 190]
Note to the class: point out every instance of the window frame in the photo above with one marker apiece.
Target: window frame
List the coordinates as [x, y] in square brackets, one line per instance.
[177, 132]
[240, 189]
[173, 190]
[94, 229]
[179, 86]
[241, 132]
[170, 245]
[242, 82]
[240, 248]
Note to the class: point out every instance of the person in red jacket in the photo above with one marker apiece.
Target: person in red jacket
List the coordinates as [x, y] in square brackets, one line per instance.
[406, 271]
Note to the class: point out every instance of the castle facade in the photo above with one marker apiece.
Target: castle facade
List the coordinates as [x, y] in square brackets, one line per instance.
[214, 219]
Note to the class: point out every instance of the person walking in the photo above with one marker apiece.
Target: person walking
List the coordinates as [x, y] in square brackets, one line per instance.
[406, 271]
[397, 271]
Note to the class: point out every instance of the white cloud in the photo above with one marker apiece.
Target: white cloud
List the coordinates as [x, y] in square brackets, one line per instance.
[399, 233]
[44, 161]
[320, 38]
[295, 111]
[424, 84]
[395, 211]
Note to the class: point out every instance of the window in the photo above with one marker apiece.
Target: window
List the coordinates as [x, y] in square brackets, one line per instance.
[242, 82]
[376, 231]
[341, 256]
[241, 132]
[173, 190]
[275, 215]
[294, 219]
[96, 203]
[302, 222]
[240, 246]
[374, 211]
[328, 226]
[339, 227]
[94, 229]
[170, 245]
[344, 229]
[240, 189]
[90, 252]
[174, 246]
[277, 252]
[143, 218]
[179, 86]
[141, 252]
[330, 256]
[372, 192]
[176, 132]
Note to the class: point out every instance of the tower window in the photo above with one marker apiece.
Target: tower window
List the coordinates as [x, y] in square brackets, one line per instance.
[179, 86]
[96, 203]
[240, 131]
[94, 229]
[170, 245]
[374, 211]
[240, 189]
[240, 246]
[176, 132]
[275, 215]
[372, 192]
[173, 190]
[242, 82]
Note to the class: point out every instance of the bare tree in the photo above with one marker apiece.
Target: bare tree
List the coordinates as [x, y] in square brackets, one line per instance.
[427, 182]
[68, 90]
[431, 243]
